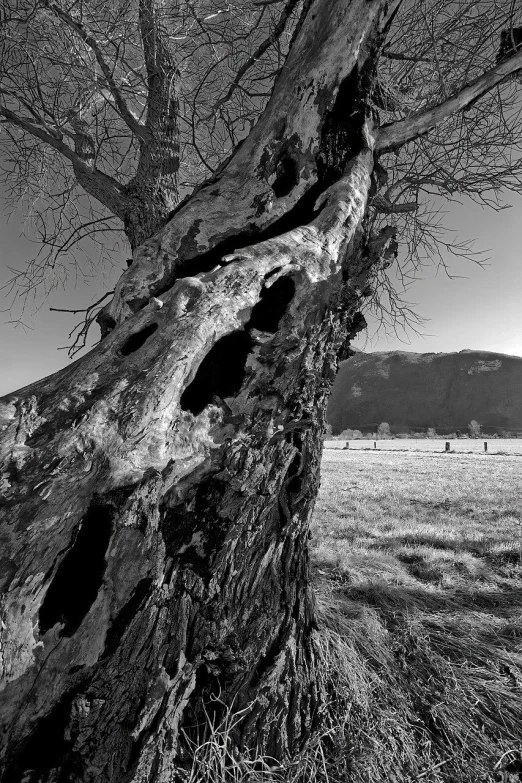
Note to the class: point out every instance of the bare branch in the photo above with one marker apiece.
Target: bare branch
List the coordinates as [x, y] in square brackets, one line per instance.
[162, 71]
[161, 152]
[133, 124]
[80, 332]
[384, 205]
[43, 135]
[97, 183]
[81, 309]
[69, 71]
[261, 49]
[396, 134]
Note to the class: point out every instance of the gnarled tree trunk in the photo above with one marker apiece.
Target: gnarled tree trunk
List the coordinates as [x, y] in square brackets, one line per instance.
[157, 493]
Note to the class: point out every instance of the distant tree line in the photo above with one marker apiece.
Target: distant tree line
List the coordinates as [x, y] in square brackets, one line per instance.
[385, 431]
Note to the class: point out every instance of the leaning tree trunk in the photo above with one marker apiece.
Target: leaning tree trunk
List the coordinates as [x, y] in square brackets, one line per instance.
[157, 493]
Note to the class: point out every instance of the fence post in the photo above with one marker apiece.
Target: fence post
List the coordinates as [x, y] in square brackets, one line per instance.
[447, 445]
[485, 445]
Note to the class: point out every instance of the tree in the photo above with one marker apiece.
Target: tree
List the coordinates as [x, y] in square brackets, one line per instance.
[474, 429]
[158, 492]
[383, 430]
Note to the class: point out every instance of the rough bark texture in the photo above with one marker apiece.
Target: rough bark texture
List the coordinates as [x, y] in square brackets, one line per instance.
[157, 493]
[152, 193]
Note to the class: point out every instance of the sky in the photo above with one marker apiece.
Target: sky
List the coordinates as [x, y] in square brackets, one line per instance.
[480, 308]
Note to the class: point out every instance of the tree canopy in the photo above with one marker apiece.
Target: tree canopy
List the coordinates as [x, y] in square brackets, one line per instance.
[111, 113]
[110, 116]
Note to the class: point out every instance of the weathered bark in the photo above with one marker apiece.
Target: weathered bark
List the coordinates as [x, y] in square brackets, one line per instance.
[301, 144]
[153, 192]
[157, 493]
[146, 207]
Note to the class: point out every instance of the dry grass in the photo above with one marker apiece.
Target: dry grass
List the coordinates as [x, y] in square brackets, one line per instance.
[215, 760]
[419, 582]
[505, 446]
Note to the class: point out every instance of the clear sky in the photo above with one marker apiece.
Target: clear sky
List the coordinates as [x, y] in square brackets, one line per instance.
[481, 309]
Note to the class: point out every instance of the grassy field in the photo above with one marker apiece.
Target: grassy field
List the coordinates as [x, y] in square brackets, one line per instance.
[457, 445]
[419, 582]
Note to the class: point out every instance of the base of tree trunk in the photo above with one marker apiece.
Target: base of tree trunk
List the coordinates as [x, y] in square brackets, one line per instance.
[187, 593]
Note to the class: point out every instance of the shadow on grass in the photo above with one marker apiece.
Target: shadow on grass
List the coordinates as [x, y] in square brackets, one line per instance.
[493, 549]
[430, 680]
[491, 514]
[402, 598]
[420, 616]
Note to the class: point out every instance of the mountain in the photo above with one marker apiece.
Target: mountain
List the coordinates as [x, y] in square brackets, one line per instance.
[421, 390]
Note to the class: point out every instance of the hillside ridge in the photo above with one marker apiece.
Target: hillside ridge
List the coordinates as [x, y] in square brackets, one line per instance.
[420, 390]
